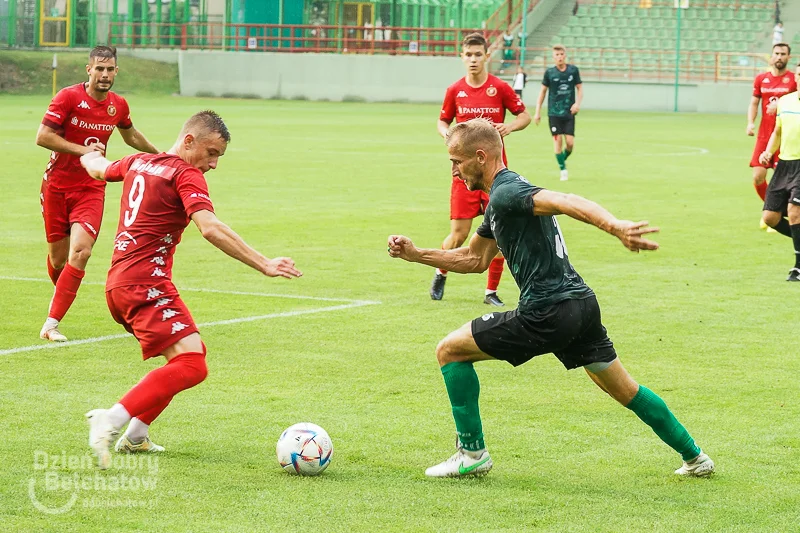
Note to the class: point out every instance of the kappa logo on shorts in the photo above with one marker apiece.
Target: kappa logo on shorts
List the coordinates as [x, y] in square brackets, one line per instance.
[159, 261]
[153, 293]
[167, 238]
[178, 326]
[162, 301]
[487, 317]
[158, 273]
[168, 313]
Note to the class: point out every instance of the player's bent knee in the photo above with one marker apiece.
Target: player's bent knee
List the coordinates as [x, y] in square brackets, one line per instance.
[193, 369]
[771, 218]
[80, 256]
[445, 353]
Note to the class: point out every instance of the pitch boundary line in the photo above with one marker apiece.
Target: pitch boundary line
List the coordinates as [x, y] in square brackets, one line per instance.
[350, 304]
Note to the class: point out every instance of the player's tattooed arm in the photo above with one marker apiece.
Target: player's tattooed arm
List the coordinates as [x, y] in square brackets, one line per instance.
[474, 258]
[136, 139]
[95, 165]
[549, 203]
[48, 138]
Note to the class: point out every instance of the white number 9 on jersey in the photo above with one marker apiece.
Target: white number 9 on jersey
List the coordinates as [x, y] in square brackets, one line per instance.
[135, 197]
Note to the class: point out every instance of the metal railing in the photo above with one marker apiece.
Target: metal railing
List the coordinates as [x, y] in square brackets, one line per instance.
[289, 38]
[606, 64]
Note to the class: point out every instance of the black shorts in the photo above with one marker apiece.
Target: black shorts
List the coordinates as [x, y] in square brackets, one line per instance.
[519, 92]
[570, 329]
[562, 125]
[784, 187]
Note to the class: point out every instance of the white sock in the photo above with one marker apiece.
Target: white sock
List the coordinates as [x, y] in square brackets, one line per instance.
[50, 323]
[441, 273]
[118, 416]
[475, 454]
[137, 431]
[488, 292]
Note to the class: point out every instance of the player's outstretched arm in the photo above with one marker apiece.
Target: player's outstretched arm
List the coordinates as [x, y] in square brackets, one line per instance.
[547, 203]
[223, 237]
[474, 258]
[95, 165]
[136, 139]
[46, 137]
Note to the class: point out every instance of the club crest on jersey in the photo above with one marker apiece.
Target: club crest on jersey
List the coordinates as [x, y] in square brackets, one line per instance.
[112, 110]
[491, 90]
[785, 79]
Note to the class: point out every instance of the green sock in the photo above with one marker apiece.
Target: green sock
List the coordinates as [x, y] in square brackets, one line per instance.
[652, 410]
[463, 389]
[561, 160]
[566, 153]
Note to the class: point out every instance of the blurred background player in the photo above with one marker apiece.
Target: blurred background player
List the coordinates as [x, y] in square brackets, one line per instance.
[767, 88]
[161, 193]
[80, 119]
[783, 193]
[519, 81]
[478, 94]
[562, 81]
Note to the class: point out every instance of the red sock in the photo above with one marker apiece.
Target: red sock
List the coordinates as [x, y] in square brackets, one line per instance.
[495, 271]
[761, 189]
[157, 388]
[69, 281]
[54, 273]
[151, 414]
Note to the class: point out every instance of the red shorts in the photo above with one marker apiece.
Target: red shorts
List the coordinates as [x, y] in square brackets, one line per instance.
[465, 203]
[761, 145]
[63, 209]
[155, 314]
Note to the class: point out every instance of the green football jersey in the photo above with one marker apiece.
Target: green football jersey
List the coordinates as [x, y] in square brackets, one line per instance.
[533, 246]
[561, 89]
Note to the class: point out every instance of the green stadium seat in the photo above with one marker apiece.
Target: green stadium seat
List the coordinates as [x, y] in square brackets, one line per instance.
[587, 32]
[579, 42]
[727, 13]
[630, 13]
[594, 11]
[605, 11]
[625, 33]
[602, 31]
[592, 42]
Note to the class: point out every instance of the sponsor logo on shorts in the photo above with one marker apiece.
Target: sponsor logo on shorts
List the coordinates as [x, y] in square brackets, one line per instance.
[162, 301]
[487, 317]
[168, 313]
[153, 293]
[553, 129]
[159, 261]
[178, 326]
[167, 238]
[157, 272]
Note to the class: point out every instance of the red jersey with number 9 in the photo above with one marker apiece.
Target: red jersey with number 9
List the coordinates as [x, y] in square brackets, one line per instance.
[159, 194]
[80, 119]
[770, 88]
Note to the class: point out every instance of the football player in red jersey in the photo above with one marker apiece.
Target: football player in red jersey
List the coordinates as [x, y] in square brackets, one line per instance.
[161, 194]
[80, 119]
[478, 94]
[768, 87]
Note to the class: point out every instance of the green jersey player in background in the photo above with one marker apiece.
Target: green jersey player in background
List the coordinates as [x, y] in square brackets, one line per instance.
[563, 81]
[557, 311]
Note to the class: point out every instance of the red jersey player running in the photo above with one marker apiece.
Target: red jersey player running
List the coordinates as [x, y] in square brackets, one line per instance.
[80, 119]
[768, 87]
[161, 193]
[478, 94]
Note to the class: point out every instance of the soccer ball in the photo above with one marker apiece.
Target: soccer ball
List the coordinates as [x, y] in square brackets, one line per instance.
[304, 449]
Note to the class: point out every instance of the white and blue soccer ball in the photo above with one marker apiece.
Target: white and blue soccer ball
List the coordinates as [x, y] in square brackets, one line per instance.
[304, 449]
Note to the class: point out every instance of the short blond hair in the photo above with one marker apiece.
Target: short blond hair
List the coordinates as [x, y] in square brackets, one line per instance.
[559, 48]
[475, 134]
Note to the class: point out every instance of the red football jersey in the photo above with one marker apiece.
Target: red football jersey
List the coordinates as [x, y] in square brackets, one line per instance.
[489, 101]
[769, 88]
[81, 119]
[159, 194]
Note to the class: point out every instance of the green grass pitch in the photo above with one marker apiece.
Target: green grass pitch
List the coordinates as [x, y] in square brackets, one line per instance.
[707, 322]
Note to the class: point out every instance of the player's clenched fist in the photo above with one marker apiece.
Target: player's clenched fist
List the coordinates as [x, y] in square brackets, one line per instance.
[401, 246]
[282, 267]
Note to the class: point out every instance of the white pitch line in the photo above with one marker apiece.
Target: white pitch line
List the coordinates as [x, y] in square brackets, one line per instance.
[217, 291]
[92, 340]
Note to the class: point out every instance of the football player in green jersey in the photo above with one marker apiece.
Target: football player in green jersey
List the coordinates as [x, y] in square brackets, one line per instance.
[563, 81]
[557, 313]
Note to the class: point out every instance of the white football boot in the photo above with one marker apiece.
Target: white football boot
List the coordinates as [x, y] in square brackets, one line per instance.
[50, 333]
[700, 466]
[101, 433]
[462, 464]
[124, 445]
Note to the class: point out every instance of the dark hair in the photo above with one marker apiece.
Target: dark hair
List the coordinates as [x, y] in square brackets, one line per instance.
[105, 52]
[210, 123]
[475, 38]
[783, 45]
